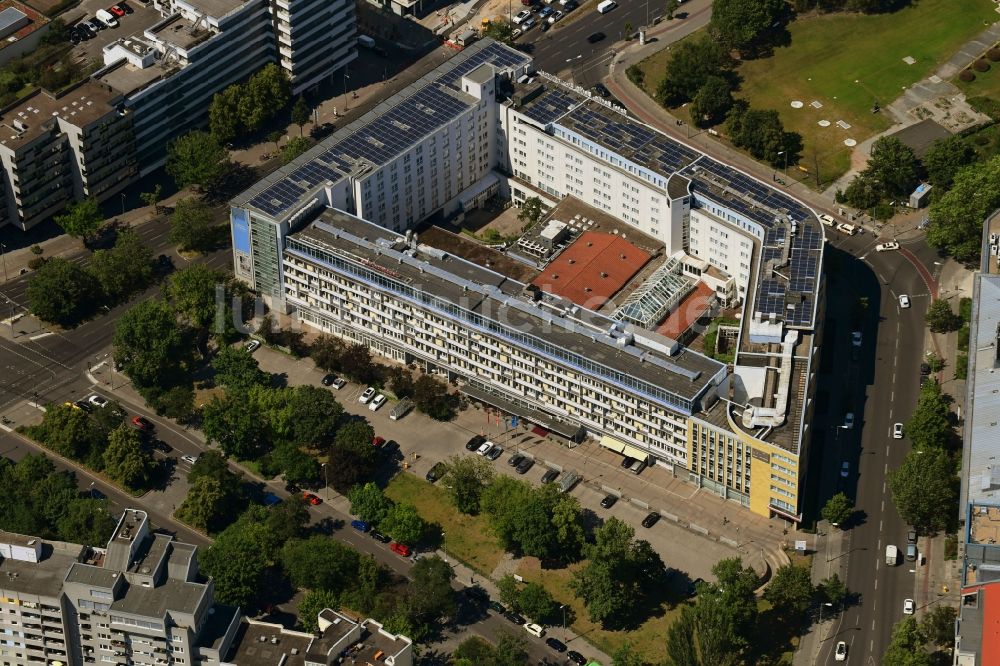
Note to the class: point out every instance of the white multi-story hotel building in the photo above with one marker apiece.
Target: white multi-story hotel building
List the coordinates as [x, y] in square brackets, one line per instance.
[483, 124]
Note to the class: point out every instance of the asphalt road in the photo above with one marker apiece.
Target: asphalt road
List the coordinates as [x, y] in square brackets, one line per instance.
[881, 388]
[565, 47]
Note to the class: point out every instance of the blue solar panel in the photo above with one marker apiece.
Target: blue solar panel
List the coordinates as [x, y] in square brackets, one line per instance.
[549, 106]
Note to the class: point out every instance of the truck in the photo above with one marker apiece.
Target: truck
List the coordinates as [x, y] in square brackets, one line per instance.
[606, 6]
[891, 555]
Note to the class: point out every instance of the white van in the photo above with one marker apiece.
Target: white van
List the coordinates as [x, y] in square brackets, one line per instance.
[827, 220]
[366, 41]
[891, 555]
[107, 18]
[846, 228]
[606, 6]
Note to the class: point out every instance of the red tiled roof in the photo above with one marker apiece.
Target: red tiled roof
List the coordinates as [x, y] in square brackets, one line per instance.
[687, 312]
[592, 269]
[990, 653]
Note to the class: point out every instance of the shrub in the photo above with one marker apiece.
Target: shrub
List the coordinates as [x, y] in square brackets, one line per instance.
[967, 76]
[36, 262]
[36, 249]
[962, 366]
[635, 75]
[981, 65]
[993, 54]
[963, 338]
[883, 211]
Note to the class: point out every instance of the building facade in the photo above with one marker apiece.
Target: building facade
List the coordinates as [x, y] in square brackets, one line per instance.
[141, 600]
[484, 123]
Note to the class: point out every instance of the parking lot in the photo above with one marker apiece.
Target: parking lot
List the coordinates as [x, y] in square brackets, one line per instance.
[692, 543]
[142, 17]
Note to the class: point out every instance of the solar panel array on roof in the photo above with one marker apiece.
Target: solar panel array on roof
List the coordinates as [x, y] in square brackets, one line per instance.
[496, 54]
[387, 135]
[550, 105]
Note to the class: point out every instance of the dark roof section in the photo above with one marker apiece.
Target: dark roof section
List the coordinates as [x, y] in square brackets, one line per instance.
[921, 136]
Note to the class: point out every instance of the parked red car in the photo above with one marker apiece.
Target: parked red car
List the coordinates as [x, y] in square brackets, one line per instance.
[400, 549]
[139, 423]
[116, 10]
[378, 442]
[312, 499]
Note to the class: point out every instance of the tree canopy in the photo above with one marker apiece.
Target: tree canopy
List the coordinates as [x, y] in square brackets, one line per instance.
[197, 158]
[62, 292]
[369, 503]
[941, 318]
[81, 219]
[125, 459]
[744, 24]
[691, 64]
[763, 135]
[466, 479]
[150, 347]
[945, 158]
[930, 425]
[125, 268]
[192, 225]
[838, 509]
[956, 219]
[924, 489]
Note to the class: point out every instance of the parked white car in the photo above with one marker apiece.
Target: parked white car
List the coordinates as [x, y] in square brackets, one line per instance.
[904, 301]
[98, 401]
[887, 247]
[536, 630]
[519, 18]
[189, 459]
[909, 607]
[840, 654]
[367, 396]
[377, 402]
[484, 448]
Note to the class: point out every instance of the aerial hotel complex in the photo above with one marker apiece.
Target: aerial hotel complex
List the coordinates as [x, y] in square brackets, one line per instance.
[580, 326]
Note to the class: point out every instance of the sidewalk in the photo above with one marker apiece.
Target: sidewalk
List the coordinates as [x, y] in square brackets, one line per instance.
[830, 558]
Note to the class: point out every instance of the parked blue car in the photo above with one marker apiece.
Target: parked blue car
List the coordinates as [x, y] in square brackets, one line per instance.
[360, 525]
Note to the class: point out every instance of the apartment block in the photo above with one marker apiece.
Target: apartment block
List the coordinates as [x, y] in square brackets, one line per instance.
[484, 124]
[156, 84]
[140, 600]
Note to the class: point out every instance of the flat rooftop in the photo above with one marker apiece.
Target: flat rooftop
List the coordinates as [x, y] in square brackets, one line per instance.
[982, 412]
[691, 308]
[482, 292]
[592, 269]
[477, 253]
[380, 135]
[180, 32]
[34, 115]
[43, 578]
[169, 596]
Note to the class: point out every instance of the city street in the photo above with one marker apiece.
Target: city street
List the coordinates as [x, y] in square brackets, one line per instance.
[565, 49]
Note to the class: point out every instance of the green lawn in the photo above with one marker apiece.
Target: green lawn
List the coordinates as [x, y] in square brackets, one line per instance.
[987, 84]
[466, 537]
[847, 61]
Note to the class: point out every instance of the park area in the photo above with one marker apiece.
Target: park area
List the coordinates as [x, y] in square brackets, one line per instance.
[836, 66]
[469, 539]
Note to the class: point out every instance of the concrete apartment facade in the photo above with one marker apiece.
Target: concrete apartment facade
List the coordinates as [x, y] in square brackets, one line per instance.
[141, 600]
[484, 124]
[157, 84]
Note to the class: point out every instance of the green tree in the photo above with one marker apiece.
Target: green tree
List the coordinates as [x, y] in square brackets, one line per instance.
[531, 211]
[149, 345]
[619, 572]
[626, 655]
[693, 61]
[61, 292]
[682, 647]
[312, 605]
[315, 414]
[301, 113]
[430, 593]
[356, 362]
[957, 217]
[838, 509]
[790, 591]
[430, 396]
[197, 158]
[930, 425]
[262, 97]
[236, 562]
[712, 102]
[192, 225]
[400, 382]
[295, 147]
[945, 158]
[404, 524]
[465, 480]
[275, 138]
[126, 461]
[511, 650]
[223, 114]
[68, 431]
[744, 24]
[568, 534]
[352, 458]
[237, 369]
[864, 191]
[474, 651]
[894, 166]
[126, 268]
[762, 134]
[81, 219]
[832, 590]
[671, 8]
[500, 30]
[86, 521]
[325, 352]
[509, 592]
[200, 507]
[319, 563]
[297, 465]
[938, 625]
[941, 318]
[924, 489]
[152, 198]
[906, 648]
[536, 602]
[238, 431]
[192, 293]
[369, 503]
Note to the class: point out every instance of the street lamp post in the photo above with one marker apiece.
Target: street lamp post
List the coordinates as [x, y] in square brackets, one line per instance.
[828, 605]
[123, 203]
[3, 257]
[563, 609]
[326, 482]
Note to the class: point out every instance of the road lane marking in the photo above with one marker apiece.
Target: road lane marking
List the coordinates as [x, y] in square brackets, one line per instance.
[40, 336]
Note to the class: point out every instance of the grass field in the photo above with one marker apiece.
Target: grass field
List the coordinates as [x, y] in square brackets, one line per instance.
[846, 62]
[466, 537]
[987, 84]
